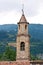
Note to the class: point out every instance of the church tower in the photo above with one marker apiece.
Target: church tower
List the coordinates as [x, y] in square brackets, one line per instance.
[23, 42]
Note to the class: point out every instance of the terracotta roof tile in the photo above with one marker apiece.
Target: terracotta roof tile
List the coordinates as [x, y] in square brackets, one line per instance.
[14, 63]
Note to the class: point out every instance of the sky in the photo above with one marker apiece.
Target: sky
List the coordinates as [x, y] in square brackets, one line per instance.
[11, 11]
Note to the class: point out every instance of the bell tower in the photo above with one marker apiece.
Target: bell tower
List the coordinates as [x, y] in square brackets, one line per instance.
[23, 42]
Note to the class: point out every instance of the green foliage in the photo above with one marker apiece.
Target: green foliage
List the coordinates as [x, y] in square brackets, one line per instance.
[0, 56]
[8, 34]
[32, 57]
[9, 55]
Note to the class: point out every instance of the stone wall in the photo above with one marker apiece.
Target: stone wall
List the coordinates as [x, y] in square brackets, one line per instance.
[36, 62]
[21, 63]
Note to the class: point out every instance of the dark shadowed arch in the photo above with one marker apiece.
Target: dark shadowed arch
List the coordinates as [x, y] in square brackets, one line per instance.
[22, 46]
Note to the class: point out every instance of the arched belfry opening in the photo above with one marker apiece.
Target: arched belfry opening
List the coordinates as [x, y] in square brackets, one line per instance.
[22, 46]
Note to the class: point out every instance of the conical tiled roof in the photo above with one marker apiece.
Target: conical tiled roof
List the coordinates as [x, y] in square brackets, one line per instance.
[23, 19]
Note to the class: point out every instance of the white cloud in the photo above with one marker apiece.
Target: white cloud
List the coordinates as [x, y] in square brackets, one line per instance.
[10, 11]
[11, 17]
[38, 18]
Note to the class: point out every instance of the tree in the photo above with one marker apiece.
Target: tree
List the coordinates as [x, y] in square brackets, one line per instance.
[32, 57]
[9, 54]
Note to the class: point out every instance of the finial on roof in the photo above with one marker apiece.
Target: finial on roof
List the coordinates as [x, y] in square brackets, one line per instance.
[22, 9]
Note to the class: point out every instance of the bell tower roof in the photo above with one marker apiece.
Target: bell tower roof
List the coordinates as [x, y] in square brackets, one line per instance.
[23, 19]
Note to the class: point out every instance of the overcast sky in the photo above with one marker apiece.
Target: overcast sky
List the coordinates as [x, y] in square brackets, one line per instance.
[10, 11]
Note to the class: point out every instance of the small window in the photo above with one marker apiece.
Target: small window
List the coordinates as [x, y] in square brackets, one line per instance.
[22, 46]
[19, 26]
[25, 26]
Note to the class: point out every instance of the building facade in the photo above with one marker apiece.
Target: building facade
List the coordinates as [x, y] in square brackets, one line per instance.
[23, 42]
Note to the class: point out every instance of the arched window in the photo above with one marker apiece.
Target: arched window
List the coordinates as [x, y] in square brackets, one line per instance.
[25, 26]
[22, 46]
[19, 26]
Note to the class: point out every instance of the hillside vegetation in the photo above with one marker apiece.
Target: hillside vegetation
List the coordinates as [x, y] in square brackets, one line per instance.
[8, 34]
